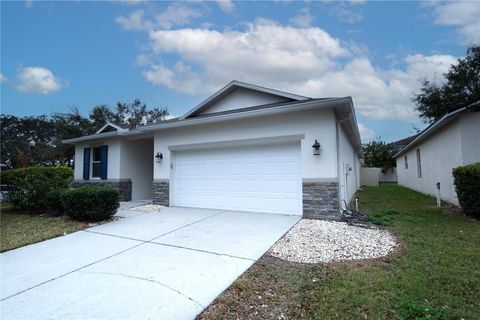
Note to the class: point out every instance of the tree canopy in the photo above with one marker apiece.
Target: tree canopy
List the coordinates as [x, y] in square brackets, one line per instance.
[462, 87]
[379, 154]
[37, 140]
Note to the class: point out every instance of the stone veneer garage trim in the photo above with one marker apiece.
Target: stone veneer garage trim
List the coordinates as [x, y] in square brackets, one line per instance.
[161, 192]
[320, 200]
[123, 186]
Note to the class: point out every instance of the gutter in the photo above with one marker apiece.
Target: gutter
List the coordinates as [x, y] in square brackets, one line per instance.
[339, 131]
[306, 105]
[300, 106]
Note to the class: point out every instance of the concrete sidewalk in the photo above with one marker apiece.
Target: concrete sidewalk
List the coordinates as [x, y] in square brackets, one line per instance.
[167, 265]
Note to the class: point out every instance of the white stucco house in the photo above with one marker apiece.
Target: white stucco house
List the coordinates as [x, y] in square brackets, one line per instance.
[452, 141]
[245, 148]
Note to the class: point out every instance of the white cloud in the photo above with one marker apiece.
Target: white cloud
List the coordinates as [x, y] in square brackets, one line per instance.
[357, 1]
[180, 78]
[131, 2]
[134, 21]
[365, 133]
[463, 14]
[226, 5]
[345, 14]
[176, 14]
[142, 59]
[2, 78]
[303, 18]
[318, 65]
[37, 80]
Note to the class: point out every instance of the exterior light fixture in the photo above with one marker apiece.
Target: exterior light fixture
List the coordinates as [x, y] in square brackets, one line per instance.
[316, 148]
[158, 157]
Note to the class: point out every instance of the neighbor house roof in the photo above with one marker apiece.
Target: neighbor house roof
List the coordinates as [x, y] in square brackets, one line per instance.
[400, 144]
[437, 125]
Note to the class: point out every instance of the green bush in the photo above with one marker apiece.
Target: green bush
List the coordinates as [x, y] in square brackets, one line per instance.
[90, 203]
[33, 188]
[55, 200]
[467, 185]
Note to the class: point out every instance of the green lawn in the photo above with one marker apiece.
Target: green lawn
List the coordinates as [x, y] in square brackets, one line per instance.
[434, 275]
[18, 230]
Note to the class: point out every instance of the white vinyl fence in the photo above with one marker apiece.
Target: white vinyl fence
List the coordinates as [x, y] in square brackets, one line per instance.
[372, 176]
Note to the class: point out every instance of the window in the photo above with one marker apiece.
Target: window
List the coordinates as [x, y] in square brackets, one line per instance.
[406, 162]
[419, 164]
[96, 163]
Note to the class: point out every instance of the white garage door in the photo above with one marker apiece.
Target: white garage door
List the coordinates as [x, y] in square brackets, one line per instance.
[261, 178]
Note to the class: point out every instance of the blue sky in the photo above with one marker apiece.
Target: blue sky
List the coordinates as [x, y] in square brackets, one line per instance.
[57, 55]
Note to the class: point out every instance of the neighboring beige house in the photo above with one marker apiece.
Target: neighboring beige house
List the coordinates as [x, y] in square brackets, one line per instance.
[452, 141]
[245, 148]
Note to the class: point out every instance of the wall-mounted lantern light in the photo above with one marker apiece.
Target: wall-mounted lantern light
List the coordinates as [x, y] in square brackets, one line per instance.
[158, 157]
[316, 148]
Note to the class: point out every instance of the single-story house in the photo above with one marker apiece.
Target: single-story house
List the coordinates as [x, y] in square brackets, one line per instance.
[245, 148]
[452, 141]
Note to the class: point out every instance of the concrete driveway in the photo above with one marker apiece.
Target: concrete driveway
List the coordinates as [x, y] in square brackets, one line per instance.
[168, 265]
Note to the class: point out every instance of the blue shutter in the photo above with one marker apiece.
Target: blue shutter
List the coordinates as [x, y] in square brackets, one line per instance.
[103, 162]
[86, 163]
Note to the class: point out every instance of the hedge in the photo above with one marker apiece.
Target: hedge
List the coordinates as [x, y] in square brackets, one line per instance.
[90, 203]
[36, 188]
[467, 185]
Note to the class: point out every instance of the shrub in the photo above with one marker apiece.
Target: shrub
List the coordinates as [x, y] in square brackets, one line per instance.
[467, 185]
[90, 203]
[55, 200]
[31, 187]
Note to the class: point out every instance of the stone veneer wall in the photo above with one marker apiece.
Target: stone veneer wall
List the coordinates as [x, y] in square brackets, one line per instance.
[123, 186]
[160, 192]
[320, 200]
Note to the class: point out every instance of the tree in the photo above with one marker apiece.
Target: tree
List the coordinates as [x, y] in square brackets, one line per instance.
[37, 140]
[26, 141]
[379, 154]
[462, 87]
[67, 126]
[130, 114]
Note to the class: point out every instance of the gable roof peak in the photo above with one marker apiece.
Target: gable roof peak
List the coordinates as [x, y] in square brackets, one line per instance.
[117, 127]
[234, 84]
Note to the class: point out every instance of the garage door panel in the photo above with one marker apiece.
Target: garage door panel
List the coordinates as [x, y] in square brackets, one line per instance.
[248, 178]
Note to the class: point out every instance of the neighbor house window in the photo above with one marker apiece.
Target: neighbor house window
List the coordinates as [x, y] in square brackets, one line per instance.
[96, 163]
[406, 162]
[419, 164]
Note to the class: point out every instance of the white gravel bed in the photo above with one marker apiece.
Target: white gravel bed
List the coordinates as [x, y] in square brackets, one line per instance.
[148, 208]
[314, 241]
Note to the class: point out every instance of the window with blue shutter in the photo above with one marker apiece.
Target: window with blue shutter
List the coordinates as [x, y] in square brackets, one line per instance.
[100, 162]
[86, 163]
[103, 162]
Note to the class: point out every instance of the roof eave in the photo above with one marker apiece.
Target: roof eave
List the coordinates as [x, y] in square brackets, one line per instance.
[97, 136]
[301, 105]
[433, 128]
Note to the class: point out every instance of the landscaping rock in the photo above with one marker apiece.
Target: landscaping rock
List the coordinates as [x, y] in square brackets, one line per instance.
[148, 208]
[315, 241]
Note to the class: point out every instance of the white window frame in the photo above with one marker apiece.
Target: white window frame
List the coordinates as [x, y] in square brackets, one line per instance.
[92, 162]
[405, 158]
[419, 164]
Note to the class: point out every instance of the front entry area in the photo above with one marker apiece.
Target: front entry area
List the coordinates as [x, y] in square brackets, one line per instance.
[257, 178]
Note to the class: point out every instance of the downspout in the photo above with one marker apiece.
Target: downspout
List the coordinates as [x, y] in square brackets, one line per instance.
[338, 131]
